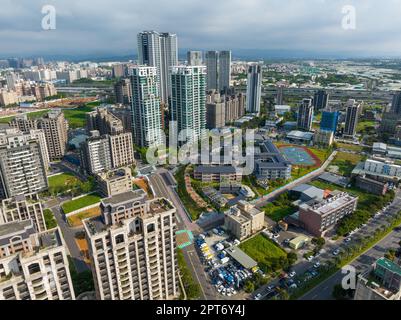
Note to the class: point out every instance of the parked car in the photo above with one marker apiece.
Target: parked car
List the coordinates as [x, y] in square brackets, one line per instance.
[336, 252]
[348, 240]
[317, 265]
[292, 274]
[258, 296]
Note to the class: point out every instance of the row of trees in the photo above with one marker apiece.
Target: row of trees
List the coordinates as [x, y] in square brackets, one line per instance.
[364, 212]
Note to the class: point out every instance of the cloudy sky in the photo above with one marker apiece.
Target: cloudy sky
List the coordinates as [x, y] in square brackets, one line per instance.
[109, 27]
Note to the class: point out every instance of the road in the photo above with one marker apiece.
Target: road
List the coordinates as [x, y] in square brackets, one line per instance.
[161, 188]
[261, 202]
[68, 235]
[324, 290]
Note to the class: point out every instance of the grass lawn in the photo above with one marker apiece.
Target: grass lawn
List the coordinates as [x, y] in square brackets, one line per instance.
[50, 220]
[63, 180]
[366, 126]
[351, 147]
[250, 181]
[83, 202]
[321, 154]
[346, 162]
[76, 117]
[76, 219]
[264, 251]
[278, 212]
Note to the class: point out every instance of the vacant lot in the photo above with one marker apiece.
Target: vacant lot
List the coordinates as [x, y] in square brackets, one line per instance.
[76, 117]
[278, 212]
[264, 251]
[346, 162]
[83, 202]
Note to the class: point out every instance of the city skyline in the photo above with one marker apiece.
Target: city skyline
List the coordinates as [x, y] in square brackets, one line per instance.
[257, 28]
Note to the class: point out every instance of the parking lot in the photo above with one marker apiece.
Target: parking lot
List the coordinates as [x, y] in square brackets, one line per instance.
[226, 275]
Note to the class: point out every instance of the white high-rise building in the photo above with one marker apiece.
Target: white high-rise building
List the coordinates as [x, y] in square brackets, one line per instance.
[254, 89]
[188, 99]
[194, 58]
[158, 50]
[146, 110]
[133, 248]
[22, 165]
[218, 65]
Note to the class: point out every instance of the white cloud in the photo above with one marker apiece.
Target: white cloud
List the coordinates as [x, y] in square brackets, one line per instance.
[292, 25]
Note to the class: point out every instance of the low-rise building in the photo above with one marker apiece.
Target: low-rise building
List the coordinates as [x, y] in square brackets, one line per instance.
[208, 173]
[371, 185]
[114, 182]
[298, 242]
[270, 163]
[300, 137]
[244, 220]
[317, 217]
[382, 282]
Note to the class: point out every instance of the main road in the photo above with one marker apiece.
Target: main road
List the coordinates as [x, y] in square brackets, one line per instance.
[162, 188]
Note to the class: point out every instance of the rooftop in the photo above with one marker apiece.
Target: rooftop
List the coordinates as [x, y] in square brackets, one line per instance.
[241, 257]
[125, 197]
[389, 265]
[215, 169]
[301, 135]
[338, 200]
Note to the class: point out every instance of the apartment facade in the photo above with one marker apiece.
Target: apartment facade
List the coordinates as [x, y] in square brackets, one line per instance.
[218, 64]
[33, 266]
[55, 127]
[244, 220]
[305, 115]
[146, 112]
[351, 118]
[159, 50]
[22, 166]
[21, 208]
[132, 246]
[254, 89]
[114, 181]
[188, 100]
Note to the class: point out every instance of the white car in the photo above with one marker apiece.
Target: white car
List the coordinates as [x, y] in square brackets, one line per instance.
[292, 274]
[336, 252]
[317, 265]
[276, 236]
[258, 296]
[347, 240]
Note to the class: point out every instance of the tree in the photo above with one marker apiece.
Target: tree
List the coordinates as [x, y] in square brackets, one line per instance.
[249, 287]
[292, 258]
